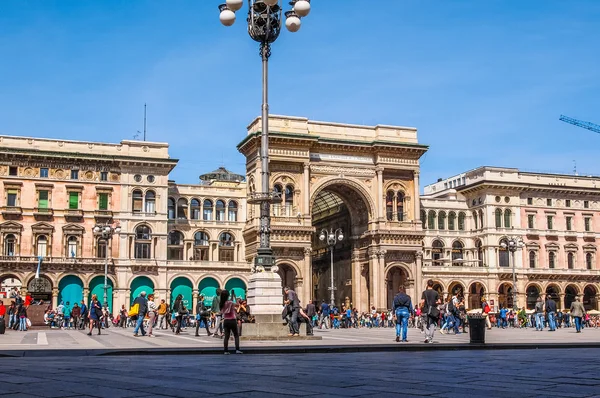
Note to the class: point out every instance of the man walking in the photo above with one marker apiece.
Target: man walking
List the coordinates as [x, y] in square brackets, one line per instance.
[84, 316]
[76, 315]
[162, 313]
[577, 312]
[324, 315]
[402, 309]
[311, 311]
[551, 311]
[429, 302]
[142, 302]
[215, 309]
[539, 314]
[293, 301]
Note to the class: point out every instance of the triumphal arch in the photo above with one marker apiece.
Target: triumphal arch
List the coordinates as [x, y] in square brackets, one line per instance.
[361, 179]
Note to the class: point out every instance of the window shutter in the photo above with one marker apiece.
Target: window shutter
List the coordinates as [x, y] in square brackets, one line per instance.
[73, 200]
[103, 201]
[43, 200]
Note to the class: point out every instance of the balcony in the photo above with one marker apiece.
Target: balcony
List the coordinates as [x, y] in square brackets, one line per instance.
[12, 211]
[58, 264]
[103, 215]
[73, 214]
[589, 236]
[43, 213]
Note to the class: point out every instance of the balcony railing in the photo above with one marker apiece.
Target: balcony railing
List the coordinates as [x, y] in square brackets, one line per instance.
[103, 214]
[74, 213]
[56, 263]
[12, 210]
[43, 212]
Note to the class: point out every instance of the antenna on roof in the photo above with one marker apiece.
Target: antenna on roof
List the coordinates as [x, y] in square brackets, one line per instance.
[136, 135]
[575, 167]
[144, 121]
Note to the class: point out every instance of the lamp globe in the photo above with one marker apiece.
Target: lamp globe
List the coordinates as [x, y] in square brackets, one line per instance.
[227, 17]
[292, 23]
[302, 8]
[234, 5]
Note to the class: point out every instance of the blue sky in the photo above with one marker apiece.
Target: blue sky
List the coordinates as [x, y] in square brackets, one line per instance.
[484, 81]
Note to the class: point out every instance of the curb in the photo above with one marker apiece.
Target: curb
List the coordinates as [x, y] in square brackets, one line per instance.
[36, 353]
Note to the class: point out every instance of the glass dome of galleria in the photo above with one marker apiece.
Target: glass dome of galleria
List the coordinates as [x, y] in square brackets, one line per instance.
[222, 174]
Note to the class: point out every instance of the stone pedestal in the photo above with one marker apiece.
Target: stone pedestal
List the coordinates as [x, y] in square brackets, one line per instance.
[265, 298]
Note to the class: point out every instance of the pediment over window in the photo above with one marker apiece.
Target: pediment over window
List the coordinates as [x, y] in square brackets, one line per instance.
[571, 247]
[42, 228]
[589, 248]
[11, 227]
[73, 229]
[553, 246]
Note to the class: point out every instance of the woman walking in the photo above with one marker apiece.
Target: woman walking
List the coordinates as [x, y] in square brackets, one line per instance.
[202, 315]
[228, 309]
[179, 310]
[151, 314]
[95, 314]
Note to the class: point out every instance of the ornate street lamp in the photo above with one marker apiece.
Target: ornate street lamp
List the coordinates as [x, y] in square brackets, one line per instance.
[264, 25]
[513, 244]
[331, 237]
[106, 231]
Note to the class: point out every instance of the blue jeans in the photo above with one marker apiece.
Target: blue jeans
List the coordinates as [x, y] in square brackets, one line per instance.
[577, 323]
[402, 316]
[22, 324]
[139, 325]
[551, 320]
[539, 321]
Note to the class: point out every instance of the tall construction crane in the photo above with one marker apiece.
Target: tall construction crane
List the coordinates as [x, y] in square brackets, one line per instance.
[580, 123]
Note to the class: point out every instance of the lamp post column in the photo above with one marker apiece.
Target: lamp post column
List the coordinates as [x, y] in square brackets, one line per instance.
[332, 294]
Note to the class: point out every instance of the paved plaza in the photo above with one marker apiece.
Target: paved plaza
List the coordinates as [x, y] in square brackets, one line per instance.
[112, 339]
[487, 373]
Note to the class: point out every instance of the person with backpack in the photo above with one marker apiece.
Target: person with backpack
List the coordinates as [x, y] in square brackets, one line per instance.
[180, 310]
[429, 303]
[202, 315]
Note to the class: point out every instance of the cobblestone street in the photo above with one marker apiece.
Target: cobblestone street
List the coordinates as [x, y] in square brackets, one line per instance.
[544, 373]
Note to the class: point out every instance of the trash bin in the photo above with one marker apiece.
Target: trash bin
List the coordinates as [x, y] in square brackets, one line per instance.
[477, 328]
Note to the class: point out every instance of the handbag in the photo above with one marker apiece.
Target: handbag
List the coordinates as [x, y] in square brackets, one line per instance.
[134, 310]
[433, 311]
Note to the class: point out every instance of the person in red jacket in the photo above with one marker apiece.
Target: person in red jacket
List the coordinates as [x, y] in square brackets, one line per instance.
[28, 300]
[2, 309]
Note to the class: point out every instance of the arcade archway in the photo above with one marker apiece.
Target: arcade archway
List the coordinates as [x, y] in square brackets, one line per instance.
[339, 205]
[571, 293]
[139, 285]
[396, 277]
[208, 288]
[97, 288]
[70, 290]
[183, 286]
[553, 291]
[532, 292]
[8, 283]
[236, 288]
[505, 296]
[590, 297]
[476, 294]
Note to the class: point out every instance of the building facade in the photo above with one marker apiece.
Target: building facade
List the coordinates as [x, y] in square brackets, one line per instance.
[192, 239]
[466, 219]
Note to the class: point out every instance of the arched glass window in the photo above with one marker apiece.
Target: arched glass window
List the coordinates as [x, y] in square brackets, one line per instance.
[423, 219]
[457, 253]
[220, 210]
[226, 247]
[507, 215]
[532, 259]
[503, 254]
[389, 205]
[207, 212]
[461, 221]
[400, 206]
[498, 218]
[201, 246]
[289, 200]
[475, 224]
[278, 191]
[195, 209]
[480, 255]
[150, 202]
[42, 246]
[481, 220]
[570, 260]
[175, 246]
[137, 198]
[232, 210]
[451, 221]
[442, 220]
[182, 209]
[143, 237]
[10, 245]
[171, 209]
[72, 246]
[437, 252]
[431, 219]
[588, 261]
[551, 260]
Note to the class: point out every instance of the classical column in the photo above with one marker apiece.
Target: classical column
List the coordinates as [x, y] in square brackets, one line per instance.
[307, 276]
[356, 280]
[306, 189]
[380, 194]
[54, 297]
[194, 301]
[417, 200]
[418, 276]
[379, 277]
[86, 295]
[373, 275]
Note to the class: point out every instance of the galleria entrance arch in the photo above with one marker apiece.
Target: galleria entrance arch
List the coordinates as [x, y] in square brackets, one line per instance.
[362, 179]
